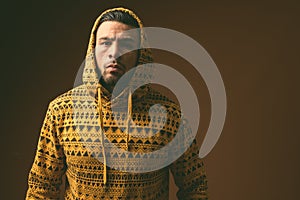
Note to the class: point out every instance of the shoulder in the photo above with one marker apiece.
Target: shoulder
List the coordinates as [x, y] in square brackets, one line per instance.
[159, 98]
[67, 98]
[152, 96]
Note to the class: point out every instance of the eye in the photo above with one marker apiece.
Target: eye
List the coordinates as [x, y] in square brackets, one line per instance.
[126, 44]
[106, 43]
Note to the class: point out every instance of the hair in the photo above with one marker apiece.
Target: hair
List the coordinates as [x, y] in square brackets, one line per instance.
[120, 16]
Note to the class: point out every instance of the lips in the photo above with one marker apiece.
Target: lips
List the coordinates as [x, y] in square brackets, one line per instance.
[115, 68]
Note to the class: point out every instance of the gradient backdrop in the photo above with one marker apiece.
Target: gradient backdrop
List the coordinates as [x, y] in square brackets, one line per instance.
[255, 45]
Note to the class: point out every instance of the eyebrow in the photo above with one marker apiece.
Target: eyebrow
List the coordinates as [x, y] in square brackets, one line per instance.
[106, 38]
[128, 38]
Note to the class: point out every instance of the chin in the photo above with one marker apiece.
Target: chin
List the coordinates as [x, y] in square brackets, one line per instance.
[111, 80]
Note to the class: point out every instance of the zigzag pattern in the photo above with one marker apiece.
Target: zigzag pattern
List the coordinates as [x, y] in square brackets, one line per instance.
[103, 162]
[70, 143]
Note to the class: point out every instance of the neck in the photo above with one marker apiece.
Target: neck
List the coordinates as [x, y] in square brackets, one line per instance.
[107, 87]
[110, 87]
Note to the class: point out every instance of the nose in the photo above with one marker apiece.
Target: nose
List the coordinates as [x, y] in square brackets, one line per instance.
[114, 51]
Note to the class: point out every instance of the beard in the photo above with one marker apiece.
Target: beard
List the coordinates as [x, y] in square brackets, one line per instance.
[109, 80]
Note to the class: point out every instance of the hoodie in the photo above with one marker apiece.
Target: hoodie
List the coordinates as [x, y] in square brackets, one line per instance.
[104, 144]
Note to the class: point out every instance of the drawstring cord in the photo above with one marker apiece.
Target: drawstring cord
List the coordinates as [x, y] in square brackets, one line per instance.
[102, 135]
[129, 112]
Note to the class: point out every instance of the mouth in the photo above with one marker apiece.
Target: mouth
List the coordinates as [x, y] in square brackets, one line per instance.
[115, 68]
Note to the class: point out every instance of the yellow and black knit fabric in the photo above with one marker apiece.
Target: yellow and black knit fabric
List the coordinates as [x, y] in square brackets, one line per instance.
[80, 135]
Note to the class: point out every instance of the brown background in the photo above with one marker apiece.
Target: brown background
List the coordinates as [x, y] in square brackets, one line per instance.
[255, 45]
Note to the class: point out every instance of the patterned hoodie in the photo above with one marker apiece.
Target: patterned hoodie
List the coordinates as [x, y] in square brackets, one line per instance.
[107, 150]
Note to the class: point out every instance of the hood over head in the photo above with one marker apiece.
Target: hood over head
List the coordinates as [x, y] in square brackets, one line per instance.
[91, 77]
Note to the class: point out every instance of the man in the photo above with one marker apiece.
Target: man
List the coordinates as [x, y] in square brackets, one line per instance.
[99, 149]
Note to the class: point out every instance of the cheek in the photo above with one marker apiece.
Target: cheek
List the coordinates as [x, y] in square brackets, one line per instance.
[100, 56]
[132, 59]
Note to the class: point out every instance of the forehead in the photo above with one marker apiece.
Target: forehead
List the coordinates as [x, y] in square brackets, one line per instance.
[112, 29]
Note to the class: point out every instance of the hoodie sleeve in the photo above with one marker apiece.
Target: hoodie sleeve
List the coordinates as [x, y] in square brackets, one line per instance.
[45, 176]
[189, 173]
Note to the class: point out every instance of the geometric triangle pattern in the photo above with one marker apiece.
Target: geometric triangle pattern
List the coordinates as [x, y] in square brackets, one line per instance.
[81, 136]
[70, 143]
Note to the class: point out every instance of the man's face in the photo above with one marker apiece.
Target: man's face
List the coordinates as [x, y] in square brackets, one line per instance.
[112, 41]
